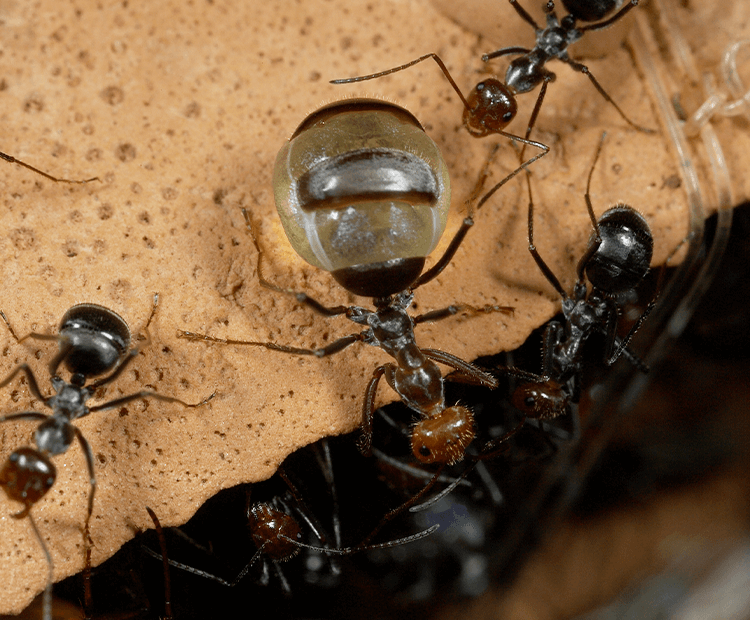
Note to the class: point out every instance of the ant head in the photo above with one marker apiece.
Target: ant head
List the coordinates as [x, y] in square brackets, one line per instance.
[364, 193]
[96, 338]
[624, 256]
[540, 401]
[492, 106]
[444, 438]
[267, 525]
[590, 10]
[27, 476]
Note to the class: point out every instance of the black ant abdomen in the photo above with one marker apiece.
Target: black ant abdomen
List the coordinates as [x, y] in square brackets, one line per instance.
[623, 258]
[591, 10]
[95, 338]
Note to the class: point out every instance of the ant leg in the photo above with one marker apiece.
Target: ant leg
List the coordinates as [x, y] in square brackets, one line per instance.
[163, 548]
[12, 160]
[304, 512]
[47, 596]
[468, 222]
[447, 256]
[543, 267]
[392, 514]
[490, 449]
[326, 465]
[87, 540]
[207, 575]
[33, 385]
[411, 470]
[147, 394]
[24, 415]
[524, 166]
[597, 240]
[585, 70]
[29, 335]
[361, 547]
[505, 51]
[364, 441]
[467, 373]
[608, 22]
[452, 310]
[524, 14]
[334, 347]
[432, 55]
[302, 298]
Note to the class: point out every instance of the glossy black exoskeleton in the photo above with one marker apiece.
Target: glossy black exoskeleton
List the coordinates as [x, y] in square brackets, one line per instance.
[93, 340]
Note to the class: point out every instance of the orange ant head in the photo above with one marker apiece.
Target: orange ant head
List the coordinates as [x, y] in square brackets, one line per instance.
[492, 106]
[541, 401]
[267, 525]
[26, 477]
[443, 438]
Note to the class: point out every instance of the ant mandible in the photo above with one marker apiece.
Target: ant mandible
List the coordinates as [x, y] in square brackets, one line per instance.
[93, 340]
[363, 192]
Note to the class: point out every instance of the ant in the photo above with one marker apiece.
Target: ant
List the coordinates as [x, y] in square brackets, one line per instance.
[528, 71]
[491, 104]
[276, 529]
[349, 207]
[12, 160]
[616, 260]
[93, 340]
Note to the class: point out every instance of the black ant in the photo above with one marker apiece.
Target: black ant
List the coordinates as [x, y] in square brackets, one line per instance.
[348, 186]
[616, 260]
[93, 340]
[12, 160]
[491, 104]
[528, 71]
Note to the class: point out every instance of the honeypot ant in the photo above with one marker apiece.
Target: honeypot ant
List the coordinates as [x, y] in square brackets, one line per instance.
[355, 199]
[12, 160]
[93, 340]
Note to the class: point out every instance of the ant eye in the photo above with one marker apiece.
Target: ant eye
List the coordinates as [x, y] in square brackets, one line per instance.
[530, 401]
[424, 451]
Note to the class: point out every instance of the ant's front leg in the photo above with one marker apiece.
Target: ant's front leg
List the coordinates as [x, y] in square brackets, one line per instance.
[302, 298]
[33, 385]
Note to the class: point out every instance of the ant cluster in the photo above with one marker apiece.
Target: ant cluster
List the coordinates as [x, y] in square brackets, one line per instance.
[363, 193]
